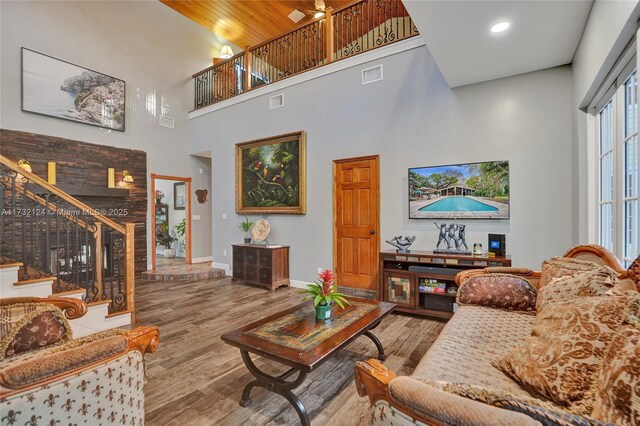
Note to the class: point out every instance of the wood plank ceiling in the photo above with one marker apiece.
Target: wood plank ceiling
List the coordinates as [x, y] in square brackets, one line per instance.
[247, 22]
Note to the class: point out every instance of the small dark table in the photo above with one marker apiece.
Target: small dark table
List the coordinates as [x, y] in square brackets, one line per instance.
[295, 338]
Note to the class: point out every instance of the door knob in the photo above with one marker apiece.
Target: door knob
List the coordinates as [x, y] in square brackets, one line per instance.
[373, 231]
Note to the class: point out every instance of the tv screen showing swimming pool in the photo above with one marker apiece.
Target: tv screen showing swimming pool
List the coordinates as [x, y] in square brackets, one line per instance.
[460, 191]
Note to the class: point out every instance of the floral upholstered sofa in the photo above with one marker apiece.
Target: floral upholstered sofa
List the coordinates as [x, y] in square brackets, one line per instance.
[48, 378]
[517, 353]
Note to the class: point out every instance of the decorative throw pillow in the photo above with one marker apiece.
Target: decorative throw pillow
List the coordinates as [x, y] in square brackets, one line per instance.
[617, 390]
[634, 272]
[558, 267]
[584, 284]
[568, 340]
[501, 291]
[29, 326]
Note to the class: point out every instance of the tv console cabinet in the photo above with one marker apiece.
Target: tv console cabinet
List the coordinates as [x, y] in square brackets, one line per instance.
[263, 265]
[410, 279]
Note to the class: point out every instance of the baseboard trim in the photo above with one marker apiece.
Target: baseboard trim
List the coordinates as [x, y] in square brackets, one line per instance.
[225, 266]
[298, 284]
[202, 259]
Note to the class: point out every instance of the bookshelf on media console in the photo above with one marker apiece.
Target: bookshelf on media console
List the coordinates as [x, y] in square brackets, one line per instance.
[423, 282]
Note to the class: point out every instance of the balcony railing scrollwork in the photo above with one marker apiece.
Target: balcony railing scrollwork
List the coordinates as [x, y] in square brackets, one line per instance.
[355, 28]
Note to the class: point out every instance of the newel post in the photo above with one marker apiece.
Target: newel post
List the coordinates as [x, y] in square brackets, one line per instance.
[130, 269]
[247, 69]
[98, 258]
[328, 26]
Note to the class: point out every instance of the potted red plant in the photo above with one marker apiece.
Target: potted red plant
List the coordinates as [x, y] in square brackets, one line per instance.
[324, 293]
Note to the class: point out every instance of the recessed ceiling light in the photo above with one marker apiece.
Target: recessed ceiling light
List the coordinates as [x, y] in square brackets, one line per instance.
[500, 27]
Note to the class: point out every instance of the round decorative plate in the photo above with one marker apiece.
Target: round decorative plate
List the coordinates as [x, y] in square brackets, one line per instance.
[260, 230]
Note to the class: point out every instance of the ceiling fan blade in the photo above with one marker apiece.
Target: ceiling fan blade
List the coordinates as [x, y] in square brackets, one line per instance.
[319, 5]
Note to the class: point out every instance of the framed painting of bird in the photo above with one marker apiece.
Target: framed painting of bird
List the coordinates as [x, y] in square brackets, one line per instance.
[270, 175]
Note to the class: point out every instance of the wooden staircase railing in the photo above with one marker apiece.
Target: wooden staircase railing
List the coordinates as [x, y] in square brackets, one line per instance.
[352, 29]
[56, 235]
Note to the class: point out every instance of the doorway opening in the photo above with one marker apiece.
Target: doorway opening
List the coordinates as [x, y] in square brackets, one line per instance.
[170, 221]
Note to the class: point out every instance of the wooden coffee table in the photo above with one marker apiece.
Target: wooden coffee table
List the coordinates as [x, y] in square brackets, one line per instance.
[295, 338]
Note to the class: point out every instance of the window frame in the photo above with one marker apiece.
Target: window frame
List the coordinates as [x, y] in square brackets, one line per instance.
[615, 92]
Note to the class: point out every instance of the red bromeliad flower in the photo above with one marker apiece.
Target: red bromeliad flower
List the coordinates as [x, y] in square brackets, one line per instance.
[324, 292]
[326, 277]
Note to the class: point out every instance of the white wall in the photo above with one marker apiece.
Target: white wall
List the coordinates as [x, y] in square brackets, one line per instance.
[201, 230]
[147, 44]
[411, 118]
[611, 26]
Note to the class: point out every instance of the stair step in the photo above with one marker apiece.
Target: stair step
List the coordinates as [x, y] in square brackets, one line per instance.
[93, 321]
[76, 294]
[162, 275]
[11, 265]
[31, 288]
[35, 280]
[116, 314]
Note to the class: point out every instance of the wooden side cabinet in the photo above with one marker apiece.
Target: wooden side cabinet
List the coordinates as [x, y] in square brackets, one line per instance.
[266, 266]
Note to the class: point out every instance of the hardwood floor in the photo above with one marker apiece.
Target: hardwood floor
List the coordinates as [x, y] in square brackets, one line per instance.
[196, 379]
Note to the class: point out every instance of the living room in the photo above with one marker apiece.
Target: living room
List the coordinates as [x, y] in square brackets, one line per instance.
[449, 91]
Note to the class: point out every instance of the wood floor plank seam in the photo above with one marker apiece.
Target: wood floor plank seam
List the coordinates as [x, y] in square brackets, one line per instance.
[196, 379]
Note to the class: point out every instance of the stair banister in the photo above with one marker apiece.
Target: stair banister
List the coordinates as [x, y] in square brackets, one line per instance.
[96, 257]
[63, 195]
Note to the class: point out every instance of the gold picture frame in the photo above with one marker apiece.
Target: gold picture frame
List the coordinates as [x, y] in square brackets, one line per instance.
[271, 175]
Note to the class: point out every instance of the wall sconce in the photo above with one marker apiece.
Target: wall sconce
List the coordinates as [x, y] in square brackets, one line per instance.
[226, 52]
[25, 165]
[111, 177]
[126, 177]
[51, 172]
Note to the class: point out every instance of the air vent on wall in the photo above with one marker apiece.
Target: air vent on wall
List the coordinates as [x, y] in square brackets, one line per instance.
[167, 121]
[276, 101]
[370, 75]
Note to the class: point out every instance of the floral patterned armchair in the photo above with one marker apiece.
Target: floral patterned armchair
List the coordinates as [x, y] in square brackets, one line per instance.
[47, 377]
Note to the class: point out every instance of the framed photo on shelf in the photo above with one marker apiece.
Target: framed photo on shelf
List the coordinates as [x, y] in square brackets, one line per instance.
[270, 175]
[178, 196]
[60, 89]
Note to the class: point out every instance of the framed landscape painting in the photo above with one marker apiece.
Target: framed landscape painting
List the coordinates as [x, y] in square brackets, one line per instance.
[270, 175]
[60, 89]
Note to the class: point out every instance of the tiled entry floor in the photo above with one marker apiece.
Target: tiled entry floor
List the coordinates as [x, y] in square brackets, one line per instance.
[177, 270]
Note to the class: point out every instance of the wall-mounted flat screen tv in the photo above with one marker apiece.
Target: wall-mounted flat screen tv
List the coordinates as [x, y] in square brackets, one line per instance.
[460, 191]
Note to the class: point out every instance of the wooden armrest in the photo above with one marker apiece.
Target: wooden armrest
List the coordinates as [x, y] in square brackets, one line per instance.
[72, 308]
[595, 253]
[372, 379]
[143, 339]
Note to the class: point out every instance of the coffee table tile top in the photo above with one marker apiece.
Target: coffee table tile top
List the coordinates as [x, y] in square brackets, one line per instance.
[301, 331]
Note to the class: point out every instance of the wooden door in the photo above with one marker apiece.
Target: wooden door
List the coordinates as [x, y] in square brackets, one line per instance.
[356, 243]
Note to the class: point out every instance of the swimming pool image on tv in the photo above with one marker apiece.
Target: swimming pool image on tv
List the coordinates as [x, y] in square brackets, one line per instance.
[458, 204]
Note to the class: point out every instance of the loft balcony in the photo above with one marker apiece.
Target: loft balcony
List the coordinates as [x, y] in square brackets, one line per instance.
[342, 33]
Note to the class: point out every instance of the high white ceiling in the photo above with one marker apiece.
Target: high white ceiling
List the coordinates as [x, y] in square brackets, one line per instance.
[543, 34]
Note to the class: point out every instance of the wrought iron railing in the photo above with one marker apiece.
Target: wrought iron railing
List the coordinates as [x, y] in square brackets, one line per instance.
[55, 235]
[355, 28]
